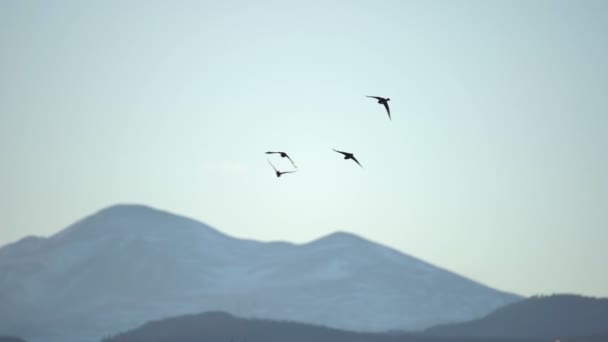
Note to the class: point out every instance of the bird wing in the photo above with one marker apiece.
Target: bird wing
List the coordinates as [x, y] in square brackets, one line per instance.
[388, 110]
[275, 169]
[344, 153]
[287, 172]
[356, 161]
[375, 97]
[292, 163]
[270, 152]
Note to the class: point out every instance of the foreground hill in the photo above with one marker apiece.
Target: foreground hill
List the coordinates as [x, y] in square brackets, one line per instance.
[10, 339]
[547, 317]
[595, 338]
[217, 326]
[127, 265]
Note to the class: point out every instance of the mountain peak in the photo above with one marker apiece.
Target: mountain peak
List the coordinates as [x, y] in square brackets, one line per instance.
[132, 219]
[130, 209]
[340, 237]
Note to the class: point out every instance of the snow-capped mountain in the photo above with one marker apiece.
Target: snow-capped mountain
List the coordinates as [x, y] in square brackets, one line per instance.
[129, 264]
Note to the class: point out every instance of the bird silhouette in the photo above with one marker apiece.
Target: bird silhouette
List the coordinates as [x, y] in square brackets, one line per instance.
[277, 172]
[349, 156]
[283, 155]
[383, 101]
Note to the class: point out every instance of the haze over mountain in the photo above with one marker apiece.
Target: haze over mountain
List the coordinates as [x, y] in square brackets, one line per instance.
[129, 264]
[546, 317]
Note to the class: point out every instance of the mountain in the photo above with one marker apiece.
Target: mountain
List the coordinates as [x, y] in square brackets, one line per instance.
[547, 317]
[129, 264]
[217, 326]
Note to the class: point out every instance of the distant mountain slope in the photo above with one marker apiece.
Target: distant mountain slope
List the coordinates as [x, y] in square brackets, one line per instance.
[129, 264]
[549, 317]
[217, 326]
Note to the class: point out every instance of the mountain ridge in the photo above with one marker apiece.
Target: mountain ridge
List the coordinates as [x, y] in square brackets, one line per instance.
[125, 257]
[335, 237]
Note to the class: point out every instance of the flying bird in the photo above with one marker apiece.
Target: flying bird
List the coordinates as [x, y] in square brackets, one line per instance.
[383, 101]
[349, 156]
[277, 172]
[283, 155]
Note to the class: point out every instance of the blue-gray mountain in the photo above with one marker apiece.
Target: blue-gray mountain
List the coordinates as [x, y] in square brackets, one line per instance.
[127, 265]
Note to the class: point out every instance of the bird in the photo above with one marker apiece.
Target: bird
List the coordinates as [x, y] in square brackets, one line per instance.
[349, 156]
[283, 155]
[383, 101]
[277, 172]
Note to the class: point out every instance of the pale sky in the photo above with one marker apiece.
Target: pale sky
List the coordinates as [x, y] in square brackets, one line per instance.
[495, 165]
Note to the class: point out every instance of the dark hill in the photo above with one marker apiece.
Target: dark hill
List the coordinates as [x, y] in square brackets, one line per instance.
[544, 316]
[217, 326]
[595, 338]
[10, 339]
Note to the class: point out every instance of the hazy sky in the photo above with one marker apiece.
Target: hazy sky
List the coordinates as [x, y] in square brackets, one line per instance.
[495, 165]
